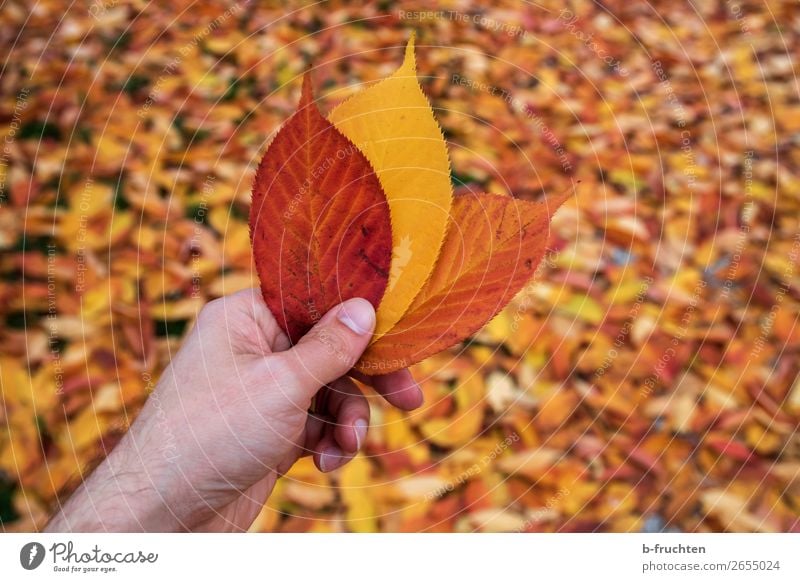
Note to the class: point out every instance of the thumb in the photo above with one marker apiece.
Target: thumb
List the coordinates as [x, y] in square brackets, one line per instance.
[331, 348]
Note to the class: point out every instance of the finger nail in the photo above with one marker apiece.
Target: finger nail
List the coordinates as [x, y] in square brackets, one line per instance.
[420, 398]
[329, 459]
[358, 315]
[360, 428]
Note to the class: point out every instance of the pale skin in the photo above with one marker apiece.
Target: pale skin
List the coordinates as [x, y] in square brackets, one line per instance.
[230, 415]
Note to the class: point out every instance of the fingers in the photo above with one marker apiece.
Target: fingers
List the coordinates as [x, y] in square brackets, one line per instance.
[398, 388]
[244, 322]
[315, 429]
[349, 408]
[342, 430]
[330, 349]
[330, 457]
[251, 301]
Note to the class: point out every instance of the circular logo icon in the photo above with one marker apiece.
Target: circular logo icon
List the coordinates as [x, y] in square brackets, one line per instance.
[31, 555]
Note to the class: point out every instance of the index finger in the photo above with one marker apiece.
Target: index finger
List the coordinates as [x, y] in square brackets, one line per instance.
[398, 388]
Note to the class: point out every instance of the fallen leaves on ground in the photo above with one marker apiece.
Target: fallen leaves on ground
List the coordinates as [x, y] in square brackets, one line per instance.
[647, 382]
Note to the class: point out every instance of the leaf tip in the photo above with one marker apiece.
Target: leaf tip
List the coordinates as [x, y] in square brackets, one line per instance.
[409, 61]
[307, 92]
[556, 201]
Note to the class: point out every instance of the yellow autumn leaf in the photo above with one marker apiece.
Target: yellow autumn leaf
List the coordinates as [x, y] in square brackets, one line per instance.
[399, 436]
[393, 124]
[464, 425]
[354, 489]
[83, 431]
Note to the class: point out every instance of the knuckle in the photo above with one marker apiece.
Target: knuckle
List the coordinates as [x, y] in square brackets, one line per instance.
[212, 309]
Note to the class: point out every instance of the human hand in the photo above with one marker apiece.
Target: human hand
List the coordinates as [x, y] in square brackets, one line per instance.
[230, 415]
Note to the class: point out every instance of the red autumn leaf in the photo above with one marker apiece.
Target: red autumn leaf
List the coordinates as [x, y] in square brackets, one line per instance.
[491, 250]
[729, 448]
[319, 222]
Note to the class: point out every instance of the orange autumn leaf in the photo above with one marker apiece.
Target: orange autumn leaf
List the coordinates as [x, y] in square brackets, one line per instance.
[319, 222]
[491, 250]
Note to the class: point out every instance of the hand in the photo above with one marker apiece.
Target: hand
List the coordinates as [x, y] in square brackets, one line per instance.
[230, 415]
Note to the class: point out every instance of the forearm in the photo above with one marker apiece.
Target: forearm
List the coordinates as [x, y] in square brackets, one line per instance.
[121, 495]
